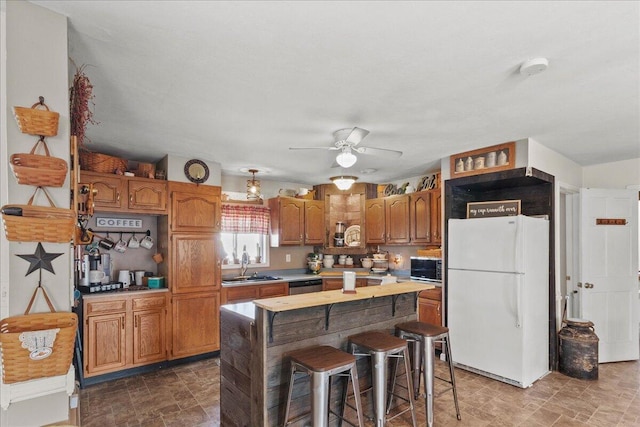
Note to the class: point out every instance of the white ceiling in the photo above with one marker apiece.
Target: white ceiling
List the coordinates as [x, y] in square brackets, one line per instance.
[240, 82]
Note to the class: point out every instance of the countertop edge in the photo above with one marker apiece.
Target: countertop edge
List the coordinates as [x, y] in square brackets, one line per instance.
[294, 302]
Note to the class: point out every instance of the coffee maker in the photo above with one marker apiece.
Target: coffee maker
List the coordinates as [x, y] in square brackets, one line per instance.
[338, 239]
[96, 271]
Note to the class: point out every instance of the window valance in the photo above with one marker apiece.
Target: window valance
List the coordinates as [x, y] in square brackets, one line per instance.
[245, 219]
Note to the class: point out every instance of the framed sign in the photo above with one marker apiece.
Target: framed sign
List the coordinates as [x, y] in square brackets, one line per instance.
[493, 209]
[484, 160]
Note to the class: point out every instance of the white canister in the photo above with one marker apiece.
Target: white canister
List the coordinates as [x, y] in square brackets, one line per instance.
[491, 159]
[139, 277]
[468, 164]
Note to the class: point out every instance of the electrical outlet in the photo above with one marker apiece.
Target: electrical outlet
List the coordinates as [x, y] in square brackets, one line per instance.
[287, 258]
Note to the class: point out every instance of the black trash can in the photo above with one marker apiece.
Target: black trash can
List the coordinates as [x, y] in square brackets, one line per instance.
[578, 349]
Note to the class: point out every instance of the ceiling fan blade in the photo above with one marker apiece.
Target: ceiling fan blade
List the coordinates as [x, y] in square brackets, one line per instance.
[356, 135]
[315, 148]
[378, 151]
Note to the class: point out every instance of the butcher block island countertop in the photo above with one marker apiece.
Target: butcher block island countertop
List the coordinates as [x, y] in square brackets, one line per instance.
[256, 338]
[294, 302]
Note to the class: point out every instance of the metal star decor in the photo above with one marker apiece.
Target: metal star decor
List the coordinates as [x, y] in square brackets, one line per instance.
[40, 259]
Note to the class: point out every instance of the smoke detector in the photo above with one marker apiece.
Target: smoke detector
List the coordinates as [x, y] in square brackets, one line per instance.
[534, 66]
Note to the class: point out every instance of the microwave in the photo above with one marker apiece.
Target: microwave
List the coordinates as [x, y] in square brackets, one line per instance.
[426, 269]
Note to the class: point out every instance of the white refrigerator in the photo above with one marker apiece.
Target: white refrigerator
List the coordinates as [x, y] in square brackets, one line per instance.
[498, 297]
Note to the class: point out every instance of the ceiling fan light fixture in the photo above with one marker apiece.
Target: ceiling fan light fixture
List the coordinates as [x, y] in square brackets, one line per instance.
[343, 182]
[253, 186]
[346, 159]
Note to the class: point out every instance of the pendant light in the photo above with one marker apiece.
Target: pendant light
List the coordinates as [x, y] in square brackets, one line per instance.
[343, 182]
[253, 186]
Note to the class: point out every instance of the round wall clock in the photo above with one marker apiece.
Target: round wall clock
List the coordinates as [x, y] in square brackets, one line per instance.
[196, 171]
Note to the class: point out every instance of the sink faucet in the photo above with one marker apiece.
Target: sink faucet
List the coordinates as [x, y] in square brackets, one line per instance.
[244, 263]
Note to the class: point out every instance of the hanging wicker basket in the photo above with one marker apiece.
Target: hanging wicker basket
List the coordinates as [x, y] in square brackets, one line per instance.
[39, 170]
[103, 163]
[37, 122]
[28, 223]
[25, 357]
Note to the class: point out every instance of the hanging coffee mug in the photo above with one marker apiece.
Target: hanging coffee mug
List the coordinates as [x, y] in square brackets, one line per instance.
[120, 246]
[147, 242]
[106, 243]
[134, 242]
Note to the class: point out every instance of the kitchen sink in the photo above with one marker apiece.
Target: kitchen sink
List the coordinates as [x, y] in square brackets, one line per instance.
[254, 278]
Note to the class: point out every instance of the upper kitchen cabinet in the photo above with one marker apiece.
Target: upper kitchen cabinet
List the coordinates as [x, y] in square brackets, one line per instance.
[296, 221]
[194, 208]
[117, 193]
[425, 212]
[387, 220]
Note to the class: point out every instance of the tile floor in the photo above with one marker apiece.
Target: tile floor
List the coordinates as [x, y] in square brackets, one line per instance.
[188, 395]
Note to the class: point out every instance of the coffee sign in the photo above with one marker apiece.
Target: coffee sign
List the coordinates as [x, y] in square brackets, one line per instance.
[493, 209]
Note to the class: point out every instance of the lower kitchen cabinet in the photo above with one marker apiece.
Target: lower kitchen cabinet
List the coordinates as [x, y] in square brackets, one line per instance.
[336, 283]
[250, 292]
[430, 306]
[196, 323]
[123, 331]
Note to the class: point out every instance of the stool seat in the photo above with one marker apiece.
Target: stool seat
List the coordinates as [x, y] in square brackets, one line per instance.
[423, 329]
[378, 341]
[319, 363]
[322, 358]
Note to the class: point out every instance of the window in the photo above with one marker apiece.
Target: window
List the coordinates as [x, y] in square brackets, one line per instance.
[244, 228]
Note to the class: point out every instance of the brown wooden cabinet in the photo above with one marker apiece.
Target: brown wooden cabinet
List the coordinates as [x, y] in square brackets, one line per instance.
[123, 331]
[436, 216]
[420, 217]
[189, 238]
[333, 283]
[149, 329]
[194, 262]
[117, 193]
[194, 208]
[387, 220]
[430, 306]
[313, 222]
[296, 221]
[195, 323]
[250, 292]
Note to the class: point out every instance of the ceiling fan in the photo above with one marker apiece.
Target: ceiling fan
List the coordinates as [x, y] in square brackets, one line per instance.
[346, 141]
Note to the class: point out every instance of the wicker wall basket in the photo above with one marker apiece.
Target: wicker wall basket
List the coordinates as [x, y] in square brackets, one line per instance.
[22, 364]
[98, 162]
[38, 223]
[39, 170]
[37, 122]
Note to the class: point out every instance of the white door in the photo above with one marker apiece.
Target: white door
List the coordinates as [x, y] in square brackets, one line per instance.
[608, 287]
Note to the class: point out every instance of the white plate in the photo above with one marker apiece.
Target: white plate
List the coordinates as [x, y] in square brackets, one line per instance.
[378, 270]
[352, 236]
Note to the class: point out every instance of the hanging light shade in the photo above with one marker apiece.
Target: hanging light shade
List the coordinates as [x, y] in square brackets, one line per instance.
[253, 186]
[346, 159]
[343, 182]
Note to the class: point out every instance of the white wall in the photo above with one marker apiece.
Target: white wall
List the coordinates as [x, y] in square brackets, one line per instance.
[36, 64]
[622, 174]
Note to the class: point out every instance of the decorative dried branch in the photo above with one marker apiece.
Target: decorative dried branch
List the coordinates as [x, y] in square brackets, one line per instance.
[81, 94]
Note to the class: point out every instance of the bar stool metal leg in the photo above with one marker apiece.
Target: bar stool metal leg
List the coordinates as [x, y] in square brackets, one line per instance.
[452, 376]
[428, 355]
[320, 398]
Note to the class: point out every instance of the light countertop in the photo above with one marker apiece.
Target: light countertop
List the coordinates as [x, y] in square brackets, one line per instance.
[294, 302]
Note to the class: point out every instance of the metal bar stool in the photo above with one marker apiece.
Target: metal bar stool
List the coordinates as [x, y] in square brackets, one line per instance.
[321, 363]
[381, 346]
[424, 336]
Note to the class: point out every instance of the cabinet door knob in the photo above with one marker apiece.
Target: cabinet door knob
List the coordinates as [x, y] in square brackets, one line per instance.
[117, 196]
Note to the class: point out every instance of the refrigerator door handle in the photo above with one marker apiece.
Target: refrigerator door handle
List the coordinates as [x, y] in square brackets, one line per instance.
[519, 300]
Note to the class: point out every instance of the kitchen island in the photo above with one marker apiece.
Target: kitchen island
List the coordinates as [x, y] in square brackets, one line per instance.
[256, 337]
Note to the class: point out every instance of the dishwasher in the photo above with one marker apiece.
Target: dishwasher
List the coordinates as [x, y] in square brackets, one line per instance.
[305, 286]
